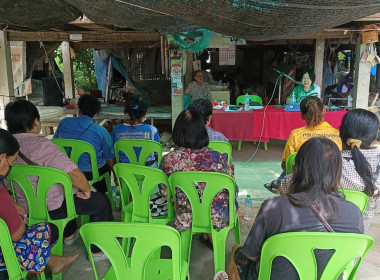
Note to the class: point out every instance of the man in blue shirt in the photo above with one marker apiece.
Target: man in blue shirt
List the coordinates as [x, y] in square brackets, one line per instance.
[85, 129]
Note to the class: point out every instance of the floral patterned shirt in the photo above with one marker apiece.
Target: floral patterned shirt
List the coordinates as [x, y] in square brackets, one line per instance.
[186, 159]
[196, 91]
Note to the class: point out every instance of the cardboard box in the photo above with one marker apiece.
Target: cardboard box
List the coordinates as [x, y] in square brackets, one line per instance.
[370, 34]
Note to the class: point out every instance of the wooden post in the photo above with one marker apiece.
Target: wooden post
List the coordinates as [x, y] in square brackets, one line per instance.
[6, 75]
[318, 63]
[361, 78]
[67, 70]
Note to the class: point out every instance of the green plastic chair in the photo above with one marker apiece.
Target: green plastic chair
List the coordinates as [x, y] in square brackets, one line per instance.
[38, 211]
[13, 267]
[252, 98]
[140, 182]
[359, 198]
[201, 210]
[148, 147]
[298, 248]
[148, 239]
[223, 148]
[290, 162]
[79, 148]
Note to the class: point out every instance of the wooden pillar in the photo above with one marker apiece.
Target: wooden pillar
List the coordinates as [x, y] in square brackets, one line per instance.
[6, 75]
[318, 63]
[361, 78]
[67, 70]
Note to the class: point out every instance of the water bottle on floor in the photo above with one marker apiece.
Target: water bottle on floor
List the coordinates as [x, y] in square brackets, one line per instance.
[246, 102]
[248, 208]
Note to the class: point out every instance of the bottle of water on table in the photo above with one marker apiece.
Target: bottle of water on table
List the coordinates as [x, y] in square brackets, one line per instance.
[293, 101]
[248, 208]
[246, 102]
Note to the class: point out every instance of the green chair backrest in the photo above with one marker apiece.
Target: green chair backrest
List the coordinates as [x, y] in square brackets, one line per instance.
[13, 267]
[140, 182]
[298, 248]
[290, 162]
[36, 198]
[78, 148]
[147, 147]
[359, 198]
[253, 98]
[201, 210]
[223, 148]
[148, 238]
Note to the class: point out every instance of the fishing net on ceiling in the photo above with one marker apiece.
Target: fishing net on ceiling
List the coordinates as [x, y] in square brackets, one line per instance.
[249, 19]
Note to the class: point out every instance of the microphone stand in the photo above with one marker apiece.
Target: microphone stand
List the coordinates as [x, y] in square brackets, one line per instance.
[282, 74]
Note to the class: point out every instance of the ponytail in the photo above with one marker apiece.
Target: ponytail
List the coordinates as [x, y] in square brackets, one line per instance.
[312, 110]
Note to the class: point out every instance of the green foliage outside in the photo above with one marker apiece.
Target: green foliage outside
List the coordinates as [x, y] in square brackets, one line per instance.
[83, 68]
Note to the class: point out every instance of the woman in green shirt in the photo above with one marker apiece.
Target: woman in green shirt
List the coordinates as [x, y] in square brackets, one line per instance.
[307, 88]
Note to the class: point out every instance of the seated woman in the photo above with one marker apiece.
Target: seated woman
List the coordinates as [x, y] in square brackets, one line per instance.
[198, 88]
[135, 128]
[317, 158]
[361, 161]
[192, 154]
[23, 121]
[204, 107]
[85, 129]
[312, 111]
[31, 244]
[308, 88]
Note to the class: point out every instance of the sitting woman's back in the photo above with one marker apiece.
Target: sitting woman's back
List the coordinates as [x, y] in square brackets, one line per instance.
[361, 161]
[135, 128]
[314, 204]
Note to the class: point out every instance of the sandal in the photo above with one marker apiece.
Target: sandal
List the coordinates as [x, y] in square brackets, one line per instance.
[272, 187]
[221, 275]
[207, 242]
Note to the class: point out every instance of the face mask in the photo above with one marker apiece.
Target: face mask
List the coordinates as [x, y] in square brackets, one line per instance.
[3, 177]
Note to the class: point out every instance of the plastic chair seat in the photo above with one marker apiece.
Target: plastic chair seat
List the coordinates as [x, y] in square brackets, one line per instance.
[223, 148]
[38, 210]
[359, 198]
[290, 162]
[140, 265]
[78, 148]
[201, 222]
[148, 147]
[298, 248]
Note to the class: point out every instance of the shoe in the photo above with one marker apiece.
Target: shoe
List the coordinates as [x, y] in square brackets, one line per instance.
[99, 256]
[221, 275]
[72, 240]
[207, 242]
[270, 187]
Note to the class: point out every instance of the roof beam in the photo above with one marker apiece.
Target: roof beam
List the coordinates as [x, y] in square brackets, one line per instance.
[129, 36]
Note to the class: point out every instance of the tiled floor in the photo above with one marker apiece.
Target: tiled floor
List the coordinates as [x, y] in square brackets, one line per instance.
[250, 177]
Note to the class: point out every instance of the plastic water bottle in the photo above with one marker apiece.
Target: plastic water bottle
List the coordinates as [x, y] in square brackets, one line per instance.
[349, 101]
[248, 208]
[293, 100]
[246, 102]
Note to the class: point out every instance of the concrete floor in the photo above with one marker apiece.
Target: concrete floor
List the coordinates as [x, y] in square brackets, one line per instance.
[250, 177]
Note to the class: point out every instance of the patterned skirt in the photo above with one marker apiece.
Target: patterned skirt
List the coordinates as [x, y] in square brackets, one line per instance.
[33, 248]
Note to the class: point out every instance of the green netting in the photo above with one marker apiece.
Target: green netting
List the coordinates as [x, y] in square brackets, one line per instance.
[203, 39]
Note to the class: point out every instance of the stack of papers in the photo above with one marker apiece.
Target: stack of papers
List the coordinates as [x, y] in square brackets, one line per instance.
[233, 108]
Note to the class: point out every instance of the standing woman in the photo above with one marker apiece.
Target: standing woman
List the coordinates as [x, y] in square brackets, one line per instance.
[198, 88]
[361, 161]
[31, 244]
[308, 88]
[135, 128]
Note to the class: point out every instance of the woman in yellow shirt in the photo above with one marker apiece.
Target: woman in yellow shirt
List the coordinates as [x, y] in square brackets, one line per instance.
[312, 111]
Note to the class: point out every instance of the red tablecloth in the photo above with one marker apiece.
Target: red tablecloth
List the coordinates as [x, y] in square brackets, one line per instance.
[278, 123]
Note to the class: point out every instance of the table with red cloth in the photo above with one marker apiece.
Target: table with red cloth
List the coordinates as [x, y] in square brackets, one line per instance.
[278, 123]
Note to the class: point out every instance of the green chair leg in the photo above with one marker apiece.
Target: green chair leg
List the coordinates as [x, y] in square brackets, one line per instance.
[239, 145]
[266, 146]
[219, 245]
[237, 230]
